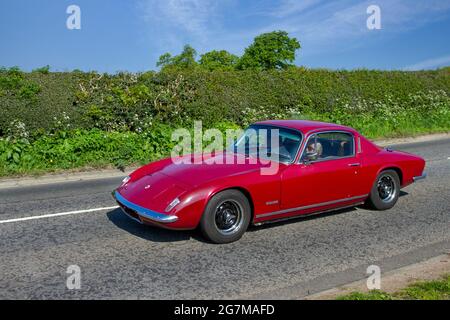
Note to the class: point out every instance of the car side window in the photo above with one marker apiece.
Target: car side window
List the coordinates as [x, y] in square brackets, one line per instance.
[328, 146]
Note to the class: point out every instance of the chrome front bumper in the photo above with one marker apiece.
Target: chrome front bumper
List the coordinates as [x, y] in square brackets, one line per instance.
[423, 176]
[131, 209]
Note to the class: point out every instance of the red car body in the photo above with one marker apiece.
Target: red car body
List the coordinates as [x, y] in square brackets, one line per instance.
[297, 189]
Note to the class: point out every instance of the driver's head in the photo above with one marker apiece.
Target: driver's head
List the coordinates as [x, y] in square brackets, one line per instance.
[314, 147]
[310, 148]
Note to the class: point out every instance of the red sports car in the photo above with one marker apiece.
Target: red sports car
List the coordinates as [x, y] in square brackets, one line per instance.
[320, 167]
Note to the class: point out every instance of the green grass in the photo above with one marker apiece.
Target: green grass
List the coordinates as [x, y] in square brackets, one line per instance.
[423, 290]
[81, 149]
[78, 150]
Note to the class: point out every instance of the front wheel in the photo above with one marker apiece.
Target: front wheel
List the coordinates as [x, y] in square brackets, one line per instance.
[385, 191]
[226, 217]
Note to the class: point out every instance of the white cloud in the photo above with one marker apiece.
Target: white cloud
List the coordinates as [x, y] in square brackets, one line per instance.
[173, 21]
[429, 64]
[321, 26]
[191, 15]
[291, 7]
[331, 24]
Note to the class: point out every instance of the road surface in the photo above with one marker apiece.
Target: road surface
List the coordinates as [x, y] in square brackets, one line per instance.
[119, 258]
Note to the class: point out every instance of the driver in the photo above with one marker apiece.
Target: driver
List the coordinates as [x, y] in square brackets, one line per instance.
[314, 147]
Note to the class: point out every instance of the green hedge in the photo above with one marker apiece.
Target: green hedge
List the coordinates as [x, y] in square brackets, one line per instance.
[379, 103]
[81, 148]
[51, 121]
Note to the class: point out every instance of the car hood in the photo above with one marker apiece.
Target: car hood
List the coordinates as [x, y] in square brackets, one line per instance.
[156, 190]
[153, 191]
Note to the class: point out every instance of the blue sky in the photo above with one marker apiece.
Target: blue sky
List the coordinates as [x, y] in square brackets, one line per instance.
[124, 35]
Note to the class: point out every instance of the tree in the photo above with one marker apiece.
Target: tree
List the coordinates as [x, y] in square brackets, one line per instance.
[164, 60]
[218, 60]
[186, 59]
[273, 50]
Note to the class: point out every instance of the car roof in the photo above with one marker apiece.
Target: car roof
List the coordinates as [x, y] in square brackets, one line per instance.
[306, 126]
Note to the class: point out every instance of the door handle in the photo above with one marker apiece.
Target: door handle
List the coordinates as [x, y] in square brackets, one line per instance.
[357, 164]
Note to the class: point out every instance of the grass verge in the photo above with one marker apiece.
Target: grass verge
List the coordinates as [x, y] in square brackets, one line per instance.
[78, 150]
[423, 290]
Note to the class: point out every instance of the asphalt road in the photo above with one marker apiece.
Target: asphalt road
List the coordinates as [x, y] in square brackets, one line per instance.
[119, 258]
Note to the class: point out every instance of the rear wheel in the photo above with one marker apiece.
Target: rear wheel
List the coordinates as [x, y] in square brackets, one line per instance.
[385, 191]
[226, 217]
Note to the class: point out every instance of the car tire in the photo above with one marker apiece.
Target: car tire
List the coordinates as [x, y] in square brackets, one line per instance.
[385, 191]
[226, 217]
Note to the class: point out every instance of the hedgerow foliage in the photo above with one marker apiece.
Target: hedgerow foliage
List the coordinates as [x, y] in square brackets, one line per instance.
[376, 102]
[67, 120]
[83, 148]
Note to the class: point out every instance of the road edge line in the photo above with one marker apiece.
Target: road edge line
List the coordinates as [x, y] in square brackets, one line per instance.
[51, 215]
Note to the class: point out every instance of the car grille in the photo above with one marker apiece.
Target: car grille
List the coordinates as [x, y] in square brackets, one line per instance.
[130, 212]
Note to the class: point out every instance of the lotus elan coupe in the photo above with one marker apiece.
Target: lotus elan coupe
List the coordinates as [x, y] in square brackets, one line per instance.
[320, 167]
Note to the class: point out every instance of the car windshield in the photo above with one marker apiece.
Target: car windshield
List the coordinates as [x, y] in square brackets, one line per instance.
[261, 140]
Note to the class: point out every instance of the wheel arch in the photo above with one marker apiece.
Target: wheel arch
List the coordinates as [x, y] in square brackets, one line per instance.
[244, 191]
[396, 169]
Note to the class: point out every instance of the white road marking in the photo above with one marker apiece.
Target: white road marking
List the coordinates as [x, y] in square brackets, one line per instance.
[57, 214]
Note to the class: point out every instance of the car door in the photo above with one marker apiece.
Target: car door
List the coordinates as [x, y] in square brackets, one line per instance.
[328, 177]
